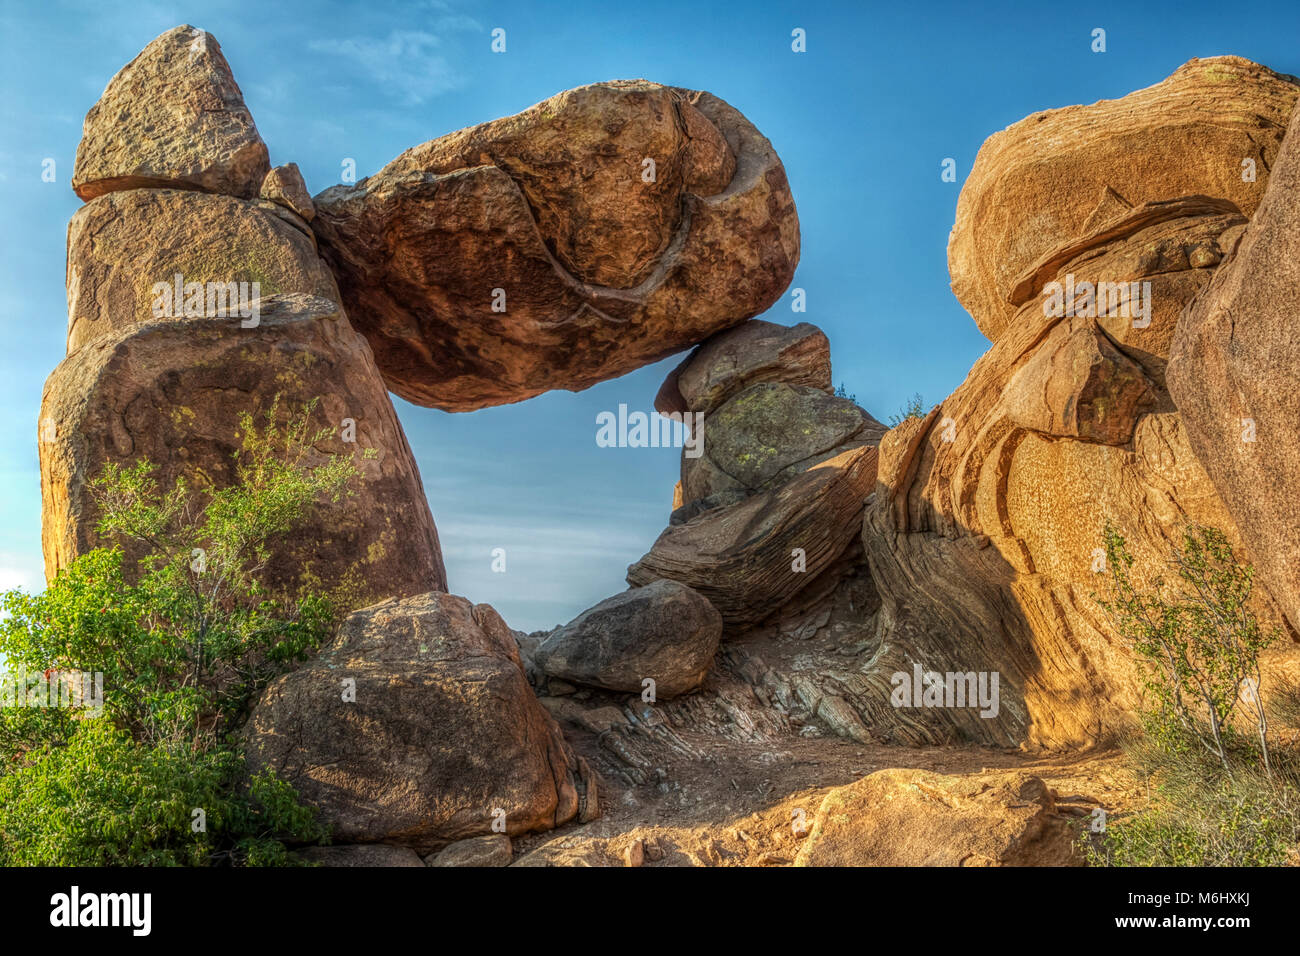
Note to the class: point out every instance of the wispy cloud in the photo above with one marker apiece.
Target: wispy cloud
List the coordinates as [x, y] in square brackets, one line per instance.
[406, 61]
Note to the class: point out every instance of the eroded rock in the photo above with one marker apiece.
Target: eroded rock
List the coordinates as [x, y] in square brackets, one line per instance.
[172, 117]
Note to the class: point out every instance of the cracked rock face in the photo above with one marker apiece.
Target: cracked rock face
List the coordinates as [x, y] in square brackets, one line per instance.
[1235, 374]
[172, 117]
[983, 532]
[1056, 174]
[597, 232]
[121, 244]
[172, 391]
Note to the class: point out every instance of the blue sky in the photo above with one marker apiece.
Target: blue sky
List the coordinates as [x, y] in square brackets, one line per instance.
[862, 121]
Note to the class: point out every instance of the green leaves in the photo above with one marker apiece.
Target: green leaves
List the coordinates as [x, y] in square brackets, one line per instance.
[185, 641]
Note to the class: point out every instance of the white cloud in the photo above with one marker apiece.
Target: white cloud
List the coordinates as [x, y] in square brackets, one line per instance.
[405, 61]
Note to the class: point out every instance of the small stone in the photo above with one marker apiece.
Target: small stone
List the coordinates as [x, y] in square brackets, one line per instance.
[634, 855]
[494, 849]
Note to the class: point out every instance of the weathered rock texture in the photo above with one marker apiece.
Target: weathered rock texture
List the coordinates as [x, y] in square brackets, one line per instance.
[1054, 174]
[786, 466]
[742, 557]
[594, 266]
[985, 527]
[663, 631]
[172, 391]
[918, 818]
[443, 736]
[121, 244]
[1235, 373]
[173, 116]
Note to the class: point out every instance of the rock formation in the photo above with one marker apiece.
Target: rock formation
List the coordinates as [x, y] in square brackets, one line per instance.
[1057, 174]
[595, 233]
[1235, 373]
[773, 499]
[192, 301]
[984, 530]
[171, 391]
[417, 727]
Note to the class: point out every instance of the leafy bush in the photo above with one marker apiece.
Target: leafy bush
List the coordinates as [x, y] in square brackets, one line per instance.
[184, 644]
[1220, 793]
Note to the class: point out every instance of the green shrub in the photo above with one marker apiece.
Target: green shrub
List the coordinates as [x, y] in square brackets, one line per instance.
[914, 408]
[1219, 792]
[184, 643]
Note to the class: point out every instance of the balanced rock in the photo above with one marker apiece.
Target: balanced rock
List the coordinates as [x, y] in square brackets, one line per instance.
[750, 558]
[172, 391]
[1234, 372]
[1052, 175]
[173, 116]
[918, 818]
[592, 234]
[417, 727]
[752, 352]
[124, 244]
[663, 631]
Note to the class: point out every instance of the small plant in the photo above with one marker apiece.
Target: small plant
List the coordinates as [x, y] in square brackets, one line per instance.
[1199, 646]
[185, 642]
[842, 392]
[1220, 793]
[915, 408]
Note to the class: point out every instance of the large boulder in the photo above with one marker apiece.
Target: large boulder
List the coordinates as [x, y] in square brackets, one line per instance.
[417, 727]
[173, 116]
[752, 557]
[918, 818]
[592, 234]
[1234, 372]
[1055, 174]
[664, 631]
[172, 391]
[122, 244]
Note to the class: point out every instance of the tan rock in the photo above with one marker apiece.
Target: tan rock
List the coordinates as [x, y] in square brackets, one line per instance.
[918, 818]
[172, 391]
[1055, 174]
[172, 117]
[1234, 372]
[986, 524]
[600, 270]
[284, 185]
[122, 244]
[444, 736]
